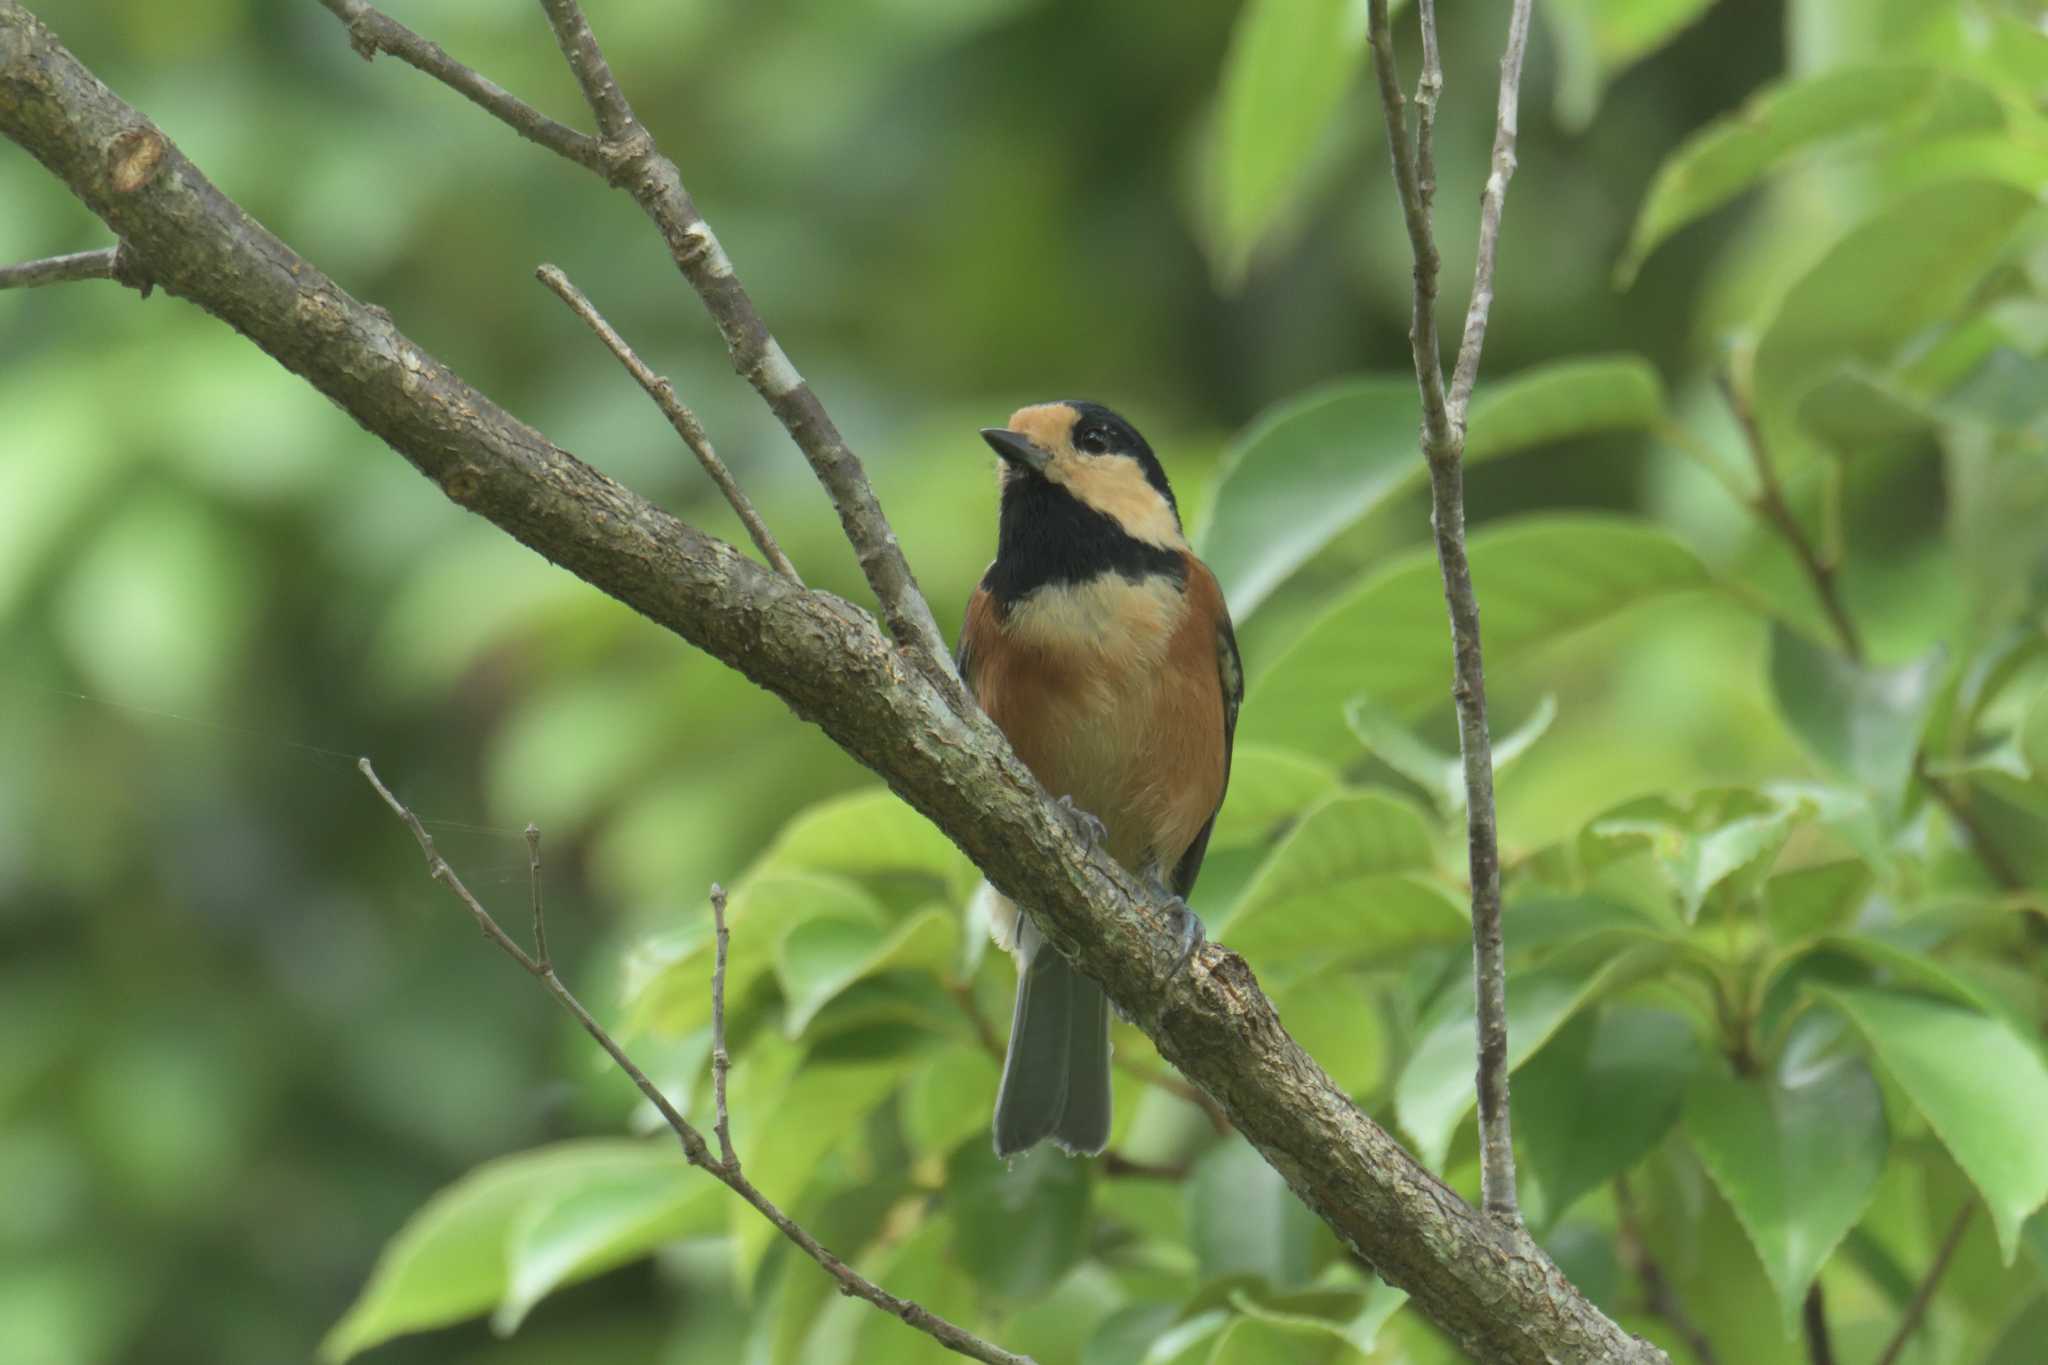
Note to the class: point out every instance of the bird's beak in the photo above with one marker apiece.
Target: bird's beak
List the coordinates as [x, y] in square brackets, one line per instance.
[1017, 449]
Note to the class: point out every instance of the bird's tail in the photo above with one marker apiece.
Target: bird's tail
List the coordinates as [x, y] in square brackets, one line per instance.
[1056, 1076]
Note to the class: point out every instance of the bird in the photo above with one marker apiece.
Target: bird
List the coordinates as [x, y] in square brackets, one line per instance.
[1102, 648]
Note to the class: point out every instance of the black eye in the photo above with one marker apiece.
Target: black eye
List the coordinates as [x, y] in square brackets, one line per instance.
[1093, 440]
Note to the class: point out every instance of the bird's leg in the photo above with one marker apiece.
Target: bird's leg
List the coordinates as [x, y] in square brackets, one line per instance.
[1092, 830]
[1184, 923]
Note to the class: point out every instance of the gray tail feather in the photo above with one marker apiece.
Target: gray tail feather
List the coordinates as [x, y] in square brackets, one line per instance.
[1056, 1076]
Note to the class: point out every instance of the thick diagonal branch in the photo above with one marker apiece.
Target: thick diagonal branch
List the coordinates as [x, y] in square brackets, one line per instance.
[1443, 447]
[1488, 1285]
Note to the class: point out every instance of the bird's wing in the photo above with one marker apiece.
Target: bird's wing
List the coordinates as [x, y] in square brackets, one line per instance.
[1230, 676]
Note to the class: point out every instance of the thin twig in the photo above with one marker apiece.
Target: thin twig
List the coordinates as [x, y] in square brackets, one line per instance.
[1813, 1318]
[727, 1171]
[628, 158]
[1916, 1308]
[371, 32]
[721, 1060]
[1770, 504]
[116, 263]
[1658, 1295]
[1443, 446]
[1491, 204]
[678, 413]
[540, 921]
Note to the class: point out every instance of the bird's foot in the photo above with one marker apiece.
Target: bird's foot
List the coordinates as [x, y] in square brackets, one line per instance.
[1182, 922]
[1092, 830]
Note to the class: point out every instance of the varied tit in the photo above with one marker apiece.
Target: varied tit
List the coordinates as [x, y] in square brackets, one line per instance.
[1102, 647]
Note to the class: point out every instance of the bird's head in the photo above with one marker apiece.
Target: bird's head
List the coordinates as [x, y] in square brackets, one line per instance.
[1093, 456]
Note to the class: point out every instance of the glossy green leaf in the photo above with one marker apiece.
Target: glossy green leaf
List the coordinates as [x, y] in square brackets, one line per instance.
[1243, 1220]
[602, 1222]
[449, 1261]
[1597, 40]
[782, 1157]
[1434, 1092]
[1308, 468]
[865, 833]
[1346, 882]
[1268, 787]
[1900, 271]
[668, 977]
[1605, 1091]
[2020, 1342]
[1018, 1225]
[1811, 900]
[950, 1097]
[1541, 578]
[1982, 1088]
[1289, 64]
[1335, 1018]
[1797, 1155]
[1440, 775]
[821, 956]
[1264, 1341]
[1727, 157]
[1864, 722]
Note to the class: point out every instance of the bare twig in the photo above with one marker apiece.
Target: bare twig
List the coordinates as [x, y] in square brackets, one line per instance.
[1770, 504]
[1813, 1319]
[1658, 1295]
[1916, 1308]
[727, 1171]
[371, 32]
[628, 158]
[721, 1060]
[1443, 446]
[678, 413]
[540, 921]
[1491, 203]
[116, 263]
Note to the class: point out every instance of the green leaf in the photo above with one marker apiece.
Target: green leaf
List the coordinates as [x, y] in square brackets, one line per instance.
[1265, 1341]
[1308, 468]
[1982, 1088]
[2020, 1342]
[602, 1222]
[1268, 787]
[821, 956]
[1336, 1019]
[668, 977]
[1243, 1220]
[1540, 578]
[1908, 267]
[1595, 1101]
[1812, 900]
[1599, 39]
[1798, 1155]
[1440, 775]
[781, 1157]
[1344, 884]
[1018, 1225]
[865, 834]
[1864, 722]
[1733, 153]
[449, 1260]
[1435, 1090]
[1289, 64]
[951, 1095]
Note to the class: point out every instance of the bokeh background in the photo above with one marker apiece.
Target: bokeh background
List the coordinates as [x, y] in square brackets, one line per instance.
[241, 1036]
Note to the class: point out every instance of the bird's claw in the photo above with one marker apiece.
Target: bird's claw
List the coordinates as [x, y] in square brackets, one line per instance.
[1092, 829]
[1186, 926]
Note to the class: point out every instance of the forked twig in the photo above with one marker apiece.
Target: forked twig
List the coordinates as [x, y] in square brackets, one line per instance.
[725, 1167]
[1443, 447]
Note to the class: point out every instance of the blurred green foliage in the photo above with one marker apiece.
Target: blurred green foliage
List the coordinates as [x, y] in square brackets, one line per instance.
[1759, 965]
